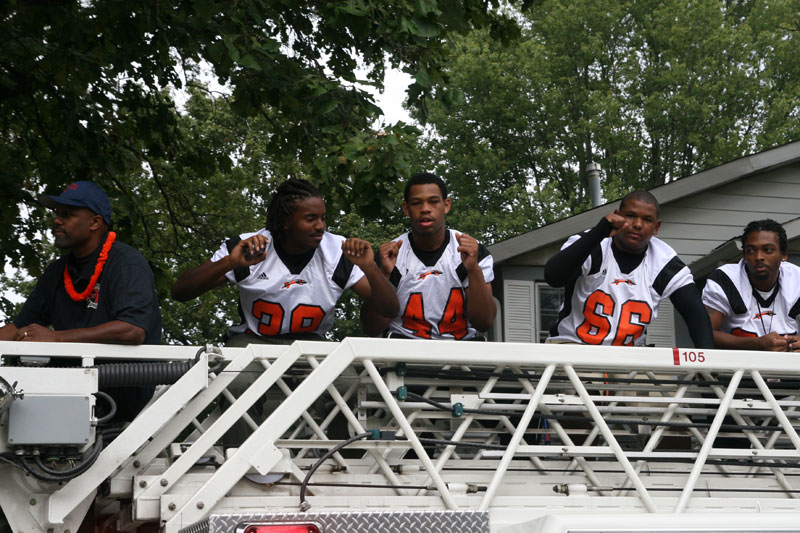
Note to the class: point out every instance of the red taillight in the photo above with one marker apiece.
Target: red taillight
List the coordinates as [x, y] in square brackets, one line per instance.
[282, 528]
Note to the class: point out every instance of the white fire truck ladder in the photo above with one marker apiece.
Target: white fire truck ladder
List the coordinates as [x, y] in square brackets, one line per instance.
[397, 435]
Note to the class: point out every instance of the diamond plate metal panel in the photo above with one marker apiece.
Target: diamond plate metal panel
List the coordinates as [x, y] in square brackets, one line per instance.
[363, 522]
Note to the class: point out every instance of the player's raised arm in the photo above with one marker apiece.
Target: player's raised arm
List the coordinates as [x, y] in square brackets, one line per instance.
[566, 264]
[481, 308]
[196, 281]
[374, 287]
[374, 322]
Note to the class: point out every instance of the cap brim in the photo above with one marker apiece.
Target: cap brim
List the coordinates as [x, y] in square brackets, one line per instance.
[54, 201]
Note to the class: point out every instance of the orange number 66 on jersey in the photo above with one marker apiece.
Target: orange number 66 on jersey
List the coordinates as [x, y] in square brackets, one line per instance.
[634, 317]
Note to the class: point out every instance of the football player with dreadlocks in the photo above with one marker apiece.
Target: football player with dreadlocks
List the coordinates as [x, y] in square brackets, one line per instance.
[291, 273]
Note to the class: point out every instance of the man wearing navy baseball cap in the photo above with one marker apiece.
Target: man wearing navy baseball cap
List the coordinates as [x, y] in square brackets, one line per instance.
[102, 290]
[82, 194]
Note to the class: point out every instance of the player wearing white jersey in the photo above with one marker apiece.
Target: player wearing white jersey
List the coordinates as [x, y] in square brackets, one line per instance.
[754, 304]
[616, 274]
[291, 274]
[443, 277]
[277, 298]
[431, 289]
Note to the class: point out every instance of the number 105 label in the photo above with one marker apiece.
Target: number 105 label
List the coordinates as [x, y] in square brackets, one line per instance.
[687, 356]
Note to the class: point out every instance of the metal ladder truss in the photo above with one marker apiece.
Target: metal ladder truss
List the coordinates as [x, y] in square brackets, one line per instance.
[532, 434]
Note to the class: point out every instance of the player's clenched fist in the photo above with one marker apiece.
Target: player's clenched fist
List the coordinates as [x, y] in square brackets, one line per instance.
[358, 251]
[774, 342]
[468, 247]
[250, 251]
[617, 222]
[388, 252]
[793, 343]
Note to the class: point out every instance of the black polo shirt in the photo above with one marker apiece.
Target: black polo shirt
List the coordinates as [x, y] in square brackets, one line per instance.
[125, 291]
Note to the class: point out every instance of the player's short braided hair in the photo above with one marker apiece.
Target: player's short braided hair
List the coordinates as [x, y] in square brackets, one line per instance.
[641, 196]
[767, 225]
[424, 178]
[283, 201]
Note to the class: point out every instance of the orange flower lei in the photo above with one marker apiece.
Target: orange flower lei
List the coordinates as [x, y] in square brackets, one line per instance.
[98, 269]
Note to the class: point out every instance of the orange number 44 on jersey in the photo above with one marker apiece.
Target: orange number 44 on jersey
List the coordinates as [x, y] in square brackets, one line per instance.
[453, 321]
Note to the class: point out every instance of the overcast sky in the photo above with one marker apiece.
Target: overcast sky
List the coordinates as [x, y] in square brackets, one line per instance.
[391, 100]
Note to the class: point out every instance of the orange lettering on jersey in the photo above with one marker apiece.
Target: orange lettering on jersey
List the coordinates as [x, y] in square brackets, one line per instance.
[626, 281]
[306, 318]
[430, 273]
[763, 314]
[287, 284]
[739, 332]
[596, 325]
[630, 329]
[454, 318]
[414, 317]
[269, 316]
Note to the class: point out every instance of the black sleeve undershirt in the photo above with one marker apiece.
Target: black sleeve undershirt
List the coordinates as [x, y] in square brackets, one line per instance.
[566, 264]
[687, 302]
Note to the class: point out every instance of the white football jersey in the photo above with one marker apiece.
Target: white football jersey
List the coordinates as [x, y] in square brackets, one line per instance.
[273, 301]
[607, 307]
[432, 297]
[728, 290]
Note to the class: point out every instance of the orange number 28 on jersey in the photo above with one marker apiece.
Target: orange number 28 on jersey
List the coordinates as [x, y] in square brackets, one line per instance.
[304, 318]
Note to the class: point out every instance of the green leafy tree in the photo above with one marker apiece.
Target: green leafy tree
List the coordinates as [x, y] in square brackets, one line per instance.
[185, 218]
[82, 88]
[85, 93]
[650, 90]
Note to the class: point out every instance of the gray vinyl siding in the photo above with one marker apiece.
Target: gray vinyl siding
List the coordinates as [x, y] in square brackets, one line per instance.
[696, 225]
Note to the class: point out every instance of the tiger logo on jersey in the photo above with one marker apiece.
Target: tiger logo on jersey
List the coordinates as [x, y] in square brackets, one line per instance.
[287, 284]
[626, 281]
[430, 273]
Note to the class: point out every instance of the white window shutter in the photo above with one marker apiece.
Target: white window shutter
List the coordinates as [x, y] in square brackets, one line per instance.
[497, 325]
[519, 311]
[661, 332]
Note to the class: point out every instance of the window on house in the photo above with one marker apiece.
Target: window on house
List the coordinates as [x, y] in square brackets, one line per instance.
[548, 302]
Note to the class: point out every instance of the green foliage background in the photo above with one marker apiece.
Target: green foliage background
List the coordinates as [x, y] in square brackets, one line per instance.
[513, 98]
[651, 90]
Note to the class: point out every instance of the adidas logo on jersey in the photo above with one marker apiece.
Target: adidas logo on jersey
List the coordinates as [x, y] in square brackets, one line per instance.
[287, 284]
[430, 273]
[263, 275]
[626, 281]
